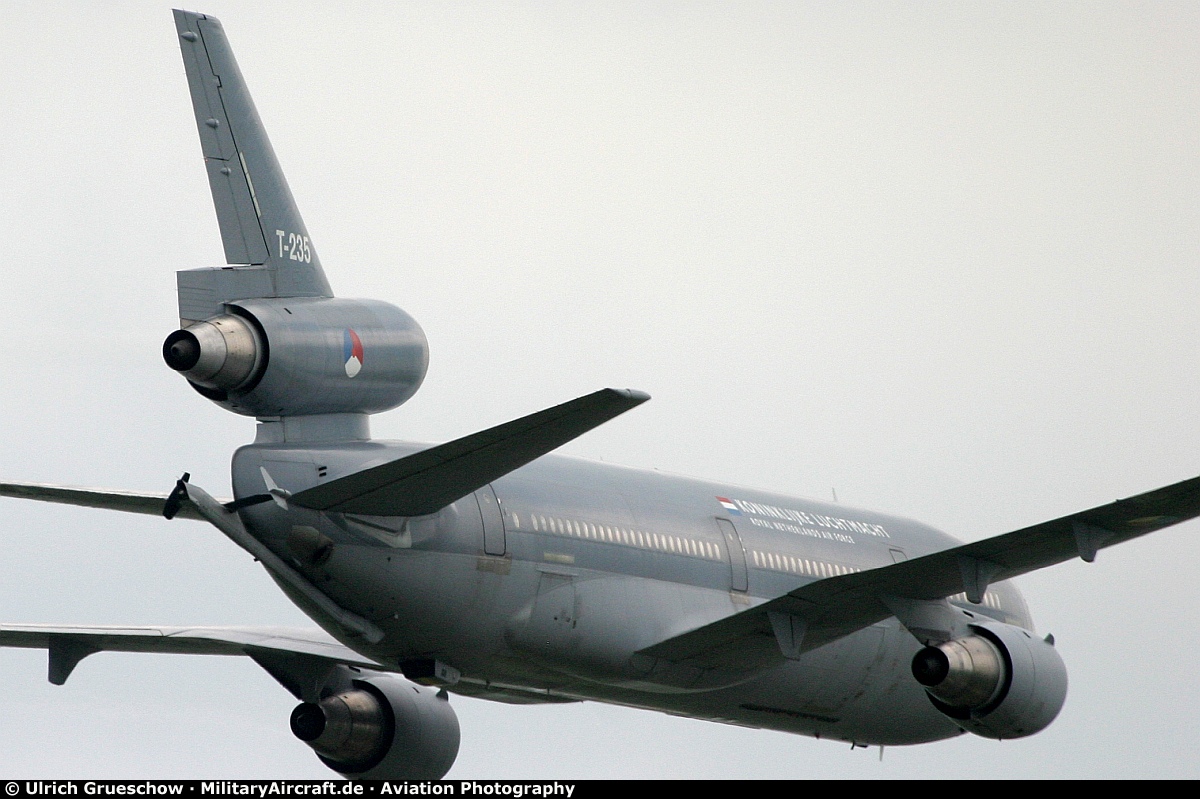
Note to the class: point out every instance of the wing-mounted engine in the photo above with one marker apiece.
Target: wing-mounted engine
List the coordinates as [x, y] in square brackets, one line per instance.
[381, 728]
[302, 356]
[999, 682]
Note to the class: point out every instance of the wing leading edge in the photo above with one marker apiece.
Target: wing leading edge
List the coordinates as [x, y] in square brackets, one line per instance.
[825, 610]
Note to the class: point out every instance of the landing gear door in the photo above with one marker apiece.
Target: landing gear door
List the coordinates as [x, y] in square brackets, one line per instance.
[493, 521]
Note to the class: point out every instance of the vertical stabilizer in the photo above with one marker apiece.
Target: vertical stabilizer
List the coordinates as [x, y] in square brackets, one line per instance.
[260, 225]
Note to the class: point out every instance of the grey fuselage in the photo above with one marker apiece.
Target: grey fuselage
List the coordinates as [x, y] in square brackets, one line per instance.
[543, 586]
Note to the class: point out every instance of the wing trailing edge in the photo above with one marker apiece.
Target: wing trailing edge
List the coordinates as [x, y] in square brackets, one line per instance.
[825, 610]
[298, 658]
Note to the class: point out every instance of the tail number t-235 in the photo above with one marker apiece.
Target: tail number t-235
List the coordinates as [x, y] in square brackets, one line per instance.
[296, 248]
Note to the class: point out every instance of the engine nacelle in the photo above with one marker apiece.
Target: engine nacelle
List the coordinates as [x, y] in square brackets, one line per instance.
[1001, 682]
[383, 728]
[302, 356]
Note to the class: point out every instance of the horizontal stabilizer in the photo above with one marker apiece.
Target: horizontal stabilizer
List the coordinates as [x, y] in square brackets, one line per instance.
[128, 501]
[428, 481]
[837, 606]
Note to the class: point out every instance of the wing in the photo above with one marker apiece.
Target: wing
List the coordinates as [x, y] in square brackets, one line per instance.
[295, 657]
[431, 479]
[128, 501]
[191, 502]
[825, 610]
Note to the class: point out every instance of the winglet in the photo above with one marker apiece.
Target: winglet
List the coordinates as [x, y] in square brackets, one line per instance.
[260, 224]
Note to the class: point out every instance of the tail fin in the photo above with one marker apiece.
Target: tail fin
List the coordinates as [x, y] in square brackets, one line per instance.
[260, 224]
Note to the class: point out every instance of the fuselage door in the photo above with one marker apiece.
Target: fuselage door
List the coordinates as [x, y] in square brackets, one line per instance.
[737, 555]
[292, 471]
[493, 521]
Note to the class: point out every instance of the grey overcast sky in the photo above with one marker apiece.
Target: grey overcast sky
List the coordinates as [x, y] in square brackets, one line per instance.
[942, 257]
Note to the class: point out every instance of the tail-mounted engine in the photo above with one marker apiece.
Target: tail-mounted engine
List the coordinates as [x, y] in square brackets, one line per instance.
[382, 728]
[999, 682]
[302, 356]
[265, 336]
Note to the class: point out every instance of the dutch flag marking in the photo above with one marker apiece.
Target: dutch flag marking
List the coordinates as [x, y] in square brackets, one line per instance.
[728, 505]
[352, 352]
